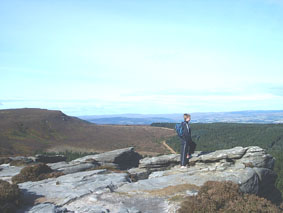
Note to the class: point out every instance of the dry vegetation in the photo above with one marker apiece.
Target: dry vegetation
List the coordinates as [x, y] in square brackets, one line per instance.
[35, 172]
[225, 197]
[20, 163]
[9, 197]
[173, 190]
[26, 131]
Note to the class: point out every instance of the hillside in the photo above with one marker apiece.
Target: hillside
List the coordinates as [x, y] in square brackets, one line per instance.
[26, 131]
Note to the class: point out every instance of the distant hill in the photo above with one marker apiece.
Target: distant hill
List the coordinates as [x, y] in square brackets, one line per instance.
[125, 120]
[25, 131]
[250, 116]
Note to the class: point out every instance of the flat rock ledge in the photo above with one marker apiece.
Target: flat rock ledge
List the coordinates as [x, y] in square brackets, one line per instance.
[149, 185]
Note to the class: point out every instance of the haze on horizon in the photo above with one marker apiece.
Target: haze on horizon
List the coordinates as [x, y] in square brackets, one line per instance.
[150, 57]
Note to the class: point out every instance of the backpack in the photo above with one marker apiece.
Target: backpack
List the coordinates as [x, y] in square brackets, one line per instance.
[179, 130]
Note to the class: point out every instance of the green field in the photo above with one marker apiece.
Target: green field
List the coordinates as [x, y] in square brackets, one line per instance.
[215, 136]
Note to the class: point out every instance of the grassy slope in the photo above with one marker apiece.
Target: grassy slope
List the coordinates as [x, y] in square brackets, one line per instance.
[26, 131]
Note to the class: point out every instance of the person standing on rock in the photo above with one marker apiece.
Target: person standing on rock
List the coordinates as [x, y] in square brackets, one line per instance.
[186, 141]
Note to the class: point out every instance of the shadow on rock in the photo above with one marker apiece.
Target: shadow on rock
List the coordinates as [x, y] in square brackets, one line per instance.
[29, 199]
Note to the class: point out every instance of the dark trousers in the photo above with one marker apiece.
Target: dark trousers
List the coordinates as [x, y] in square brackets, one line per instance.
[185, 149]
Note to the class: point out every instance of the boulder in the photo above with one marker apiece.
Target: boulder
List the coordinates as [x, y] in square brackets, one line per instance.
[247, 179]
[267, 187]
[124, 158]
[49, 158]
[257, 157]
[160, 162]
[227, 154]
[163, 162]
[60, 165]
[266, 176]
[72, 167]
[138, 173]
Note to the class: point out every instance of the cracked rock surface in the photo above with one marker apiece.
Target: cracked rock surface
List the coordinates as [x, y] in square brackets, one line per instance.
[151, 185]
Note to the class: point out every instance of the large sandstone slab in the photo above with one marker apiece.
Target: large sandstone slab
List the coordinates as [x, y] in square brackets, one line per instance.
[247, 178]
[124, 158]
[119, 203]
[257, 157]
[160, 162]
[72, 167]
[234, 153]
[66, 188]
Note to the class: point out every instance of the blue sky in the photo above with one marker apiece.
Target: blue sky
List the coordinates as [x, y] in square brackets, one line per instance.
[110, 57]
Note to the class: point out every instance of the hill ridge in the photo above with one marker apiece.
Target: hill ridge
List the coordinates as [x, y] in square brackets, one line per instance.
[29, 130]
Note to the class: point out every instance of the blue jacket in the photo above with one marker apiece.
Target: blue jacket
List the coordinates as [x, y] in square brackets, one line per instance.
[187, 131]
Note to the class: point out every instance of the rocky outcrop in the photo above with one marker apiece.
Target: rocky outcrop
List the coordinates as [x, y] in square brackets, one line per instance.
[159, 163]
[121, 158]
[138, 173]
[257, 157]
[116, 159]
[154, 184]
[73, 167]
[66, 188]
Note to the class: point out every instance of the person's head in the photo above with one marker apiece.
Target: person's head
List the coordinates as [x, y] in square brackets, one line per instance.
[187, 117]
